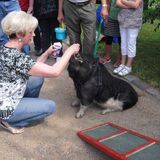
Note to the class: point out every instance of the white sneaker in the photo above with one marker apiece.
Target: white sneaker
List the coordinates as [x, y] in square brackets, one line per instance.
[125, 71]
[121, 66]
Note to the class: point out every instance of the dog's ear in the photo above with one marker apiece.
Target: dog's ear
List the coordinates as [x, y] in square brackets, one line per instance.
[78, 58]
[90, 59]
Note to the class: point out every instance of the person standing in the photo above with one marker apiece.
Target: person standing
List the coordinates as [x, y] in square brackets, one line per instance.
[80, 17]
[111, 30]
[7, 6]
[27, 6]
[46, 11]
[130, 22]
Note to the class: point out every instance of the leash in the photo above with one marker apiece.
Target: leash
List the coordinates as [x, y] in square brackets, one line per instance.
[97, 39]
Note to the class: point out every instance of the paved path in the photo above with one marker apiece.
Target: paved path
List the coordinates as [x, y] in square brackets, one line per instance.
[56, 138]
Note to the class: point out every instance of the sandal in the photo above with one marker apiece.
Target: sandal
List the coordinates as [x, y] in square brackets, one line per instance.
[105, 60]
[9, 128]
[102, 39]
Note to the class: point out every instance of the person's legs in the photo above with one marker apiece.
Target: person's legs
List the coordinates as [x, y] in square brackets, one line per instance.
[46, 37]
[124, 44]
[5, 8]
[37, 41]
[30, 110]
[88, 23]
[132, 38]
[119, 57]
[72, 22]
[26, 49]
[108, 49]
[3, 37]
[34, 86]
[53, 24]
[131, 51]
[108, 45]
[123, 32]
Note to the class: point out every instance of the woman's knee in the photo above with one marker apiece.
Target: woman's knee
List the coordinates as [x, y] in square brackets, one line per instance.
[34, 83]
[50, 107]
[37, 81]
[34, 86]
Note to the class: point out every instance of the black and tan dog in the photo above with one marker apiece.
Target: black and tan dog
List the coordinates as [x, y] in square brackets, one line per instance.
[93, 83]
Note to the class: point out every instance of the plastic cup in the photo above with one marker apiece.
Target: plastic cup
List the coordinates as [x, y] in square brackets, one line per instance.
[57, 48]
[60, 33]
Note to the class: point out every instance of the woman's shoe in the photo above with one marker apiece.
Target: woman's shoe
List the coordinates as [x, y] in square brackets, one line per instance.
[117, 70]
[10, 129]
[125, 71]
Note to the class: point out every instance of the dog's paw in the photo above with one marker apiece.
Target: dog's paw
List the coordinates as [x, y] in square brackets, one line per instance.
[105, 111]
[80, 114]
[75, 103]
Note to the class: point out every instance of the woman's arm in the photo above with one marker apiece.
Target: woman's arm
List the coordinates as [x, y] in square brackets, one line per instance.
[46, 54]
[105, 8]
[44, 70]
[132, 4]
[60, 11]
[30, 8]
[120, 4]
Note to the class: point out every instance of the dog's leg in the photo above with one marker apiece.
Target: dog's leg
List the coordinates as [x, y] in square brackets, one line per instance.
[112, 106]
[110, 110]
[81, 112]
[75, 103]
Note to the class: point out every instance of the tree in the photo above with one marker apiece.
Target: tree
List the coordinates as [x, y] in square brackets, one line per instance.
[152, 12]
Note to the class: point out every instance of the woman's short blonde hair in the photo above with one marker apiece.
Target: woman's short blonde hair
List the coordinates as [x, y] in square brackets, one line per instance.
[18, 22]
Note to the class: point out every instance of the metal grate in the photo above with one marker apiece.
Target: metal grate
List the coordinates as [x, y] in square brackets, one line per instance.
[121, 143]
[102, 131]
[150, 153]
[124, 142]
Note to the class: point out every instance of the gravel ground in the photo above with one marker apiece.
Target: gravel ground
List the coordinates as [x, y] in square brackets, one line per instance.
[56, 137]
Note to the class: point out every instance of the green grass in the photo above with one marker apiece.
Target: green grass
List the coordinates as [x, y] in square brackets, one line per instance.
[147, 62]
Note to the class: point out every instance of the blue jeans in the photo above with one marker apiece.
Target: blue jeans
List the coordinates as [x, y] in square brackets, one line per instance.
[5, 8]
[26, 49]
[31, 108]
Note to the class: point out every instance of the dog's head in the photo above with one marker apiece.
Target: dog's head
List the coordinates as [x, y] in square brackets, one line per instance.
[81, 66]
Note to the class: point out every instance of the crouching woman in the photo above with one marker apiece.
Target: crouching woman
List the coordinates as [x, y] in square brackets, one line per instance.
[21, 77]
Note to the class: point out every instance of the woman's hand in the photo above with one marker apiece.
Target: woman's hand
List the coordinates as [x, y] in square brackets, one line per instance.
[50, 50]
[30, 10]
[73, 49]
[104, 12]
[46, 54]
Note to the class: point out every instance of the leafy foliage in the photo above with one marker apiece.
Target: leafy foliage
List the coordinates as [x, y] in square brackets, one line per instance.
[152, 12]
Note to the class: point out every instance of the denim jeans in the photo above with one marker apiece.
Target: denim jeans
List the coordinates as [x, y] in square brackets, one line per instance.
[26, 49]
[31, 108]
[5, 8]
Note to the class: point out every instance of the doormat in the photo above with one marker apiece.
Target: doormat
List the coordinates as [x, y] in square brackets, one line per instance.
[121, 143]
